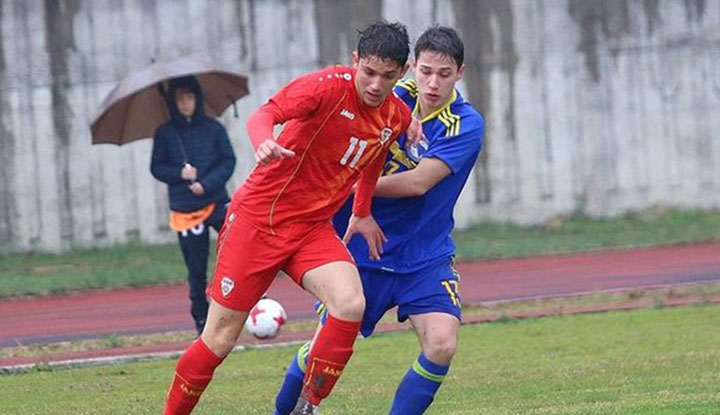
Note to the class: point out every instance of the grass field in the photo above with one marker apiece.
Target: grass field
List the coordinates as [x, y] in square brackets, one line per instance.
[139, 265]
[132, 265]
[648, 228]
[659, 361]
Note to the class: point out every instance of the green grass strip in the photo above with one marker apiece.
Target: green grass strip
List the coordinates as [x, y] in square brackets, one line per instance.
[656, 361]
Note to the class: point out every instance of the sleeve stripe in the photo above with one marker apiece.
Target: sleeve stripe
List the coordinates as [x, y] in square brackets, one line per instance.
[451, 121]
[410, 85]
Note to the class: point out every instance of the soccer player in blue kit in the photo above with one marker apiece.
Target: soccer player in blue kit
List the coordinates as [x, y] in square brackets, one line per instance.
[413, 204]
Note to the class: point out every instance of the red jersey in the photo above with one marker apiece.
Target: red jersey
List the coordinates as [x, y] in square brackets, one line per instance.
[336, 139]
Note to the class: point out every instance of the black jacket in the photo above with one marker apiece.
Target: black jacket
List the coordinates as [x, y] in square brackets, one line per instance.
[200, 141]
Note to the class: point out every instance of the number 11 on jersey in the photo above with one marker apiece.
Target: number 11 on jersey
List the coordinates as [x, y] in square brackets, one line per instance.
[354, 142]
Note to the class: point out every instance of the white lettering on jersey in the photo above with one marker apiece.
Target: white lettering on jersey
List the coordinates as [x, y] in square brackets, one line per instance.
[347, 114]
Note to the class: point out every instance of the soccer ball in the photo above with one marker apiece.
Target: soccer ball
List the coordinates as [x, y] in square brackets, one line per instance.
[266, 319]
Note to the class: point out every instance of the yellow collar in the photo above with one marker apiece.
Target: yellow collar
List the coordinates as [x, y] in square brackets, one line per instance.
[416, 110]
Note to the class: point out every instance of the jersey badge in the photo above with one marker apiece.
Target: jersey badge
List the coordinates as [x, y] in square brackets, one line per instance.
[415, 152]
[385, 134]
[226, 285]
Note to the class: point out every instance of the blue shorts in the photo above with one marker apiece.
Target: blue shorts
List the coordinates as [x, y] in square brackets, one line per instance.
[432, 289]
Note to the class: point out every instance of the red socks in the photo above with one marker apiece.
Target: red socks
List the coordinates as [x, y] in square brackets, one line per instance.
[328, 357]
[193, 373]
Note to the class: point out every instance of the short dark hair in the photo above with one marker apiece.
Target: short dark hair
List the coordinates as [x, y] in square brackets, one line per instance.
[184, 89]
[443, 40]
[387, 41]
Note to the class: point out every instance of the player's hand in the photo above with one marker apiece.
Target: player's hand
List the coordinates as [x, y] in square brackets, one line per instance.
[369, 229]
[197, 189]
[188, 172]
[270, 150]
[415, 132]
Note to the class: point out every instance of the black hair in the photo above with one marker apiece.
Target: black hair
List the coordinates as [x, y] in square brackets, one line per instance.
[191, 84]
[185, 89]
[443, 40]
[387, 41]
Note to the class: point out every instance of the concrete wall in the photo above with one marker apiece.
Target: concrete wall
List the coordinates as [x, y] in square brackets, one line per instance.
[597, 107]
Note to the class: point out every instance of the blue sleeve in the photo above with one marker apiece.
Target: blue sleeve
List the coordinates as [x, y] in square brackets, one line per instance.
[225, 162]
[456, 150]
[160, 166]
[406, 90]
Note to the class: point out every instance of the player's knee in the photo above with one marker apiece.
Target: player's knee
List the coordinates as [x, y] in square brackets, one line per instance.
[440, 348]
[220, 345]
[349, 307]
[220, 340]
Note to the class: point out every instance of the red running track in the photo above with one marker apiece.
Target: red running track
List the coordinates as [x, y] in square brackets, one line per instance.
[161, 309]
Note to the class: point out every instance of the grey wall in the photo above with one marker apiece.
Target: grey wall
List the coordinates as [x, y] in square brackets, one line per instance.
[595, 107]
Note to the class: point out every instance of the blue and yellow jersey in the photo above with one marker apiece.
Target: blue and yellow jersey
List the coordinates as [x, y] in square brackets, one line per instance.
[419, 228]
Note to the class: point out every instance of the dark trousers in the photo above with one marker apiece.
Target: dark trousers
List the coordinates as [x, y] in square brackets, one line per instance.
[195, 246]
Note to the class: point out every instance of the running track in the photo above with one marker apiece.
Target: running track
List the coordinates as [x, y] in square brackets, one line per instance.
[160, 309]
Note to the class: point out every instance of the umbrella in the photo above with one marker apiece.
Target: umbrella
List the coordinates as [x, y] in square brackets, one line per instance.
[137, 105]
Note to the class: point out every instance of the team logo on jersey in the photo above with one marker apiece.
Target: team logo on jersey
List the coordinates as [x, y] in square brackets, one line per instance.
[385, 135]
[226, 285]
[415, 152]
[347, 114]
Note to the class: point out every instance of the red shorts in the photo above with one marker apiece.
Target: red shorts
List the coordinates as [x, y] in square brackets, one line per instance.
[248, 260]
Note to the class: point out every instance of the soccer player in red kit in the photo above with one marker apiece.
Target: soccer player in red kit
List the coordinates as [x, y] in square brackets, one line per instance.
[339, 124]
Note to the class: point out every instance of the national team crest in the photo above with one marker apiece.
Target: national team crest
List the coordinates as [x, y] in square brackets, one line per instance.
[226, 285]
[385, 135]
[415, 152]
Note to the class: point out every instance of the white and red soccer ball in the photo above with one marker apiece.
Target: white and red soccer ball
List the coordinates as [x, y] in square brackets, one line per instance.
[266, 319]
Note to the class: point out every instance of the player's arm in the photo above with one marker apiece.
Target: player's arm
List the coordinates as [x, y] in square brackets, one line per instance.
[260, 130]
[445, 156]
[297, 99]
[416, 182]
[361, 220]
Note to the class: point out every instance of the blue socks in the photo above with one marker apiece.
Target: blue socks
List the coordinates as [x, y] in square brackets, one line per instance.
[289, 392]
[413, 396]
[417, 389]
[292, 385]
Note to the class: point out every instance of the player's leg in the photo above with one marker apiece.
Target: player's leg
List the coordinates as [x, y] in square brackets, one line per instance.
[324, 267]
[338, 285]
[437, 333]
[194, 244]
[289, 392]
[228, 310]
[196, 366]
[378, 291]
[432, 303]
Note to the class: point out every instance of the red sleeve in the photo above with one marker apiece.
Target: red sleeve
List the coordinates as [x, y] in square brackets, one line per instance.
[261, 122]
[369, 177]
[301, 97]
[366, 186]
